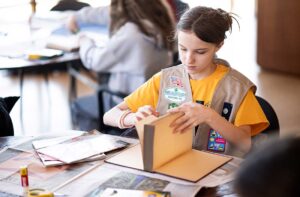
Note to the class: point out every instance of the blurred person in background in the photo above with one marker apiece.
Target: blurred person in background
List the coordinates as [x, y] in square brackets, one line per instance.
[138, 45]
[178, 8]
[271, 171]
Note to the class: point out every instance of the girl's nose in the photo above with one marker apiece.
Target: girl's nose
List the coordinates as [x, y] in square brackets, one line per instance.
[190, 58]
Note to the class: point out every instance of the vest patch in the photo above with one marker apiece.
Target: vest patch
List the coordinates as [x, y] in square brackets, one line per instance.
[200, 102]
[176, 81]
[175, 95]
[172, 105]
[215, 141]
[226, 112]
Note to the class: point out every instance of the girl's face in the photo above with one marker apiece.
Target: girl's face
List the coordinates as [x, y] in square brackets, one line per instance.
[196, 54]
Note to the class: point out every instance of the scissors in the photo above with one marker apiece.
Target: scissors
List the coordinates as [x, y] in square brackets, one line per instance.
[37, 192]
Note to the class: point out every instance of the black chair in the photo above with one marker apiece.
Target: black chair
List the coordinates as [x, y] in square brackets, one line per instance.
[270, 132]
[271, 115]
[87, 111]
[102, 94]
[6, 124]
[64, 5]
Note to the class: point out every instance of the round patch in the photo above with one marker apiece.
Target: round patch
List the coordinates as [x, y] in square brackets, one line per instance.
[175, 94]
[225, 110]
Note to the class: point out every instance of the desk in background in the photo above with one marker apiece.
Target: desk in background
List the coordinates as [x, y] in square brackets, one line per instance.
[91, 176]
[12, 57]
[17, 39]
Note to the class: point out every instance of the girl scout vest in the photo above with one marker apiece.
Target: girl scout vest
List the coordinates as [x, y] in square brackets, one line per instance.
[230, 91]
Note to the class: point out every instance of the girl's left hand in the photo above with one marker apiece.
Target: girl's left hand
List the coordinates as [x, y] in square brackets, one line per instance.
[193, 115]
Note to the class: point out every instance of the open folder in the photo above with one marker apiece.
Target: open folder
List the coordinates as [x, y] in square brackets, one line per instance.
[163, 151]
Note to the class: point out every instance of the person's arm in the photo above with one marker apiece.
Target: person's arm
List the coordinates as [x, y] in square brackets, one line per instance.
[95, 57]
[121, 116]
[92, 15]
[88, 15]
[136, 106]
[117, 49]
[195, 114]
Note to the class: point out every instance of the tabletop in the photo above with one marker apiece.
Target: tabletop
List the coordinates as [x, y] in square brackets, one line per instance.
[14, 47]
[19, 38]
[221, 190]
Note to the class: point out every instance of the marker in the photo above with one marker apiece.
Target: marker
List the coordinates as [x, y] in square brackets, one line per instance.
[33, 57]
[24, 179]
[37, 192]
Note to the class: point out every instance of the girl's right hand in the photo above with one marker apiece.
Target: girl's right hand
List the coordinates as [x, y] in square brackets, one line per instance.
[71, 24]
[144, 112]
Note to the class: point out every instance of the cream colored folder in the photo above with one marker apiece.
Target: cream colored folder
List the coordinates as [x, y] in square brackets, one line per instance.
[162, 151]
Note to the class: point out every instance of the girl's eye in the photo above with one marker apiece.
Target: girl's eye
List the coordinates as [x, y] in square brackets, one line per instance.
[182, 49]
[201, 52]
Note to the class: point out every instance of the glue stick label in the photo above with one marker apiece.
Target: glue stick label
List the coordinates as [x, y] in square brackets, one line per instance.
[24, 176]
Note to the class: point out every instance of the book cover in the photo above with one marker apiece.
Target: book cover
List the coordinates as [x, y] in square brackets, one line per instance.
[161, 144]
[168, 153]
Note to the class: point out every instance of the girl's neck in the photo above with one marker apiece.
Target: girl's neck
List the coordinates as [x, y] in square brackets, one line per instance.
[205, 73]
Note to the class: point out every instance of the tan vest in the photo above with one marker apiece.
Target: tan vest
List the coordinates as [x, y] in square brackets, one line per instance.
[175, 89]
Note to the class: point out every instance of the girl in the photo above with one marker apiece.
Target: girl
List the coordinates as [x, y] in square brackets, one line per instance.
[138, 46]
[215, 99]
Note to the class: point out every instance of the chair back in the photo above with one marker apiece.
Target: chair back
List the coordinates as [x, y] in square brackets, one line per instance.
[271, 116]
[105, 102]
[6, 124]
[64, 5]
[272, 131]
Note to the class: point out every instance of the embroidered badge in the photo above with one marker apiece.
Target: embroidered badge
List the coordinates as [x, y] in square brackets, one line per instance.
[175, 95]
[176, 81]
[172, 105]
[227, 109]
[215, 141]
[200, 102]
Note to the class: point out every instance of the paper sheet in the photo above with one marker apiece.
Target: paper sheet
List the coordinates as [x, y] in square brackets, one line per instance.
[82, 147]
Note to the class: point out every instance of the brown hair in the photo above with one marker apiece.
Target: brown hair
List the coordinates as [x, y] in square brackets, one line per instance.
[155, 11]
[210, 25]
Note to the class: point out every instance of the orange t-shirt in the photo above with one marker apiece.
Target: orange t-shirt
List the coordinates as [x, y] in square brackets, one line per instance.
[249, 112]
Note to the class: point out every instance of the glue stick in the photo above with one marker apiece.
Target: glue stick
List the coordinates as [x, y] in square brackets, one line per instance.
[24, 179]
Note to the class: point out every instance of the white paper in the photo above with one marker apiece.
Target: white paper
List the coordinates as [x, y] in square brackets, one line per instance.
[49, 161]
[82, 147]
[95, 178]
[37, 144]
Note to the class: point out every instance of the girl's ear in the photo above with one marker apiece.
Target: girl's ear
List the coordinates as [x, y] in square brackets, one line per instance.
[219, 46]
